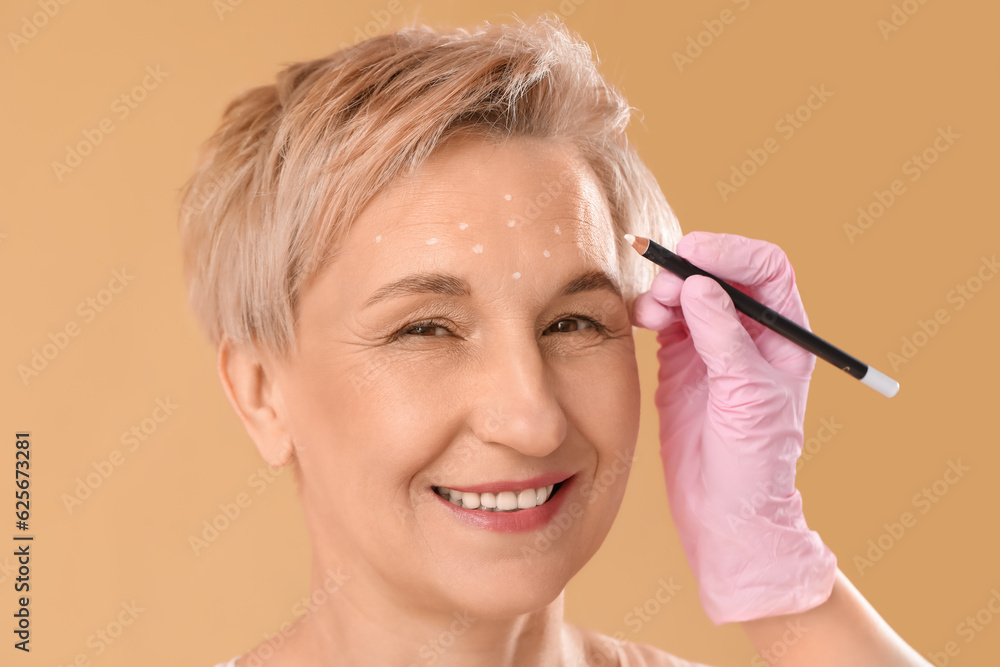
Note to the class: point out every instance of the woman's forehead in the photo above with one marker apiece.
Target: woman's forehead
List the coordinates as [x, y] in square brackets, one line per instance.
[526, 188]
[536, 256]
[524, 218]
[454, 230]
[523, 179]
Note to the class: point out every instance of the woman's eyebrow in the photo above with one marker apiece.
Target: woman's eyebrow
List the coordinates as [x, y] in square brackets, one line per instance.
[443, 283]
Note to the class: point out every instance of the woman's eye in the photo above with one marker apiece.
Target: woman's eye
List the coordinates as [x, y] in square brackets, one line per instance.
[566, 325]
[426, 330]
[573, 324]
[570, 325]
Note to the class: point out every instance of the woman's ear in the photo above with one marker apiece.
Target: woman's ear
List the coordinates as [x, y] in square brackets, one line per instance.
[254, 393]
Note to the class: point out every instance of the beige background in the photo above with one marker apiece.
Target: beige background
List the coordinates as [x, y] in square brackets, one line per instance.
[61, 241]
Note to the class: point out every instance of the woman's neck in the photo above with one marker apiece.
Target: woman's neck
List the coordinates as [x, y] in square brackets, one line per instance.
[352, 619]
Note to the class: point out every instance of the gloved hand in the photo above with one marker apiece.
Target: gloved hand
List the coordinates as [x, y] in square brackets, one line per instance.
[731, 400]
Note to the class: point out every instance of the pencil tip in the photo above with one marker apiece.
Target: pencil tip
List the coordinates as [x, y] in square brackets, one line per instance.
[630, 238]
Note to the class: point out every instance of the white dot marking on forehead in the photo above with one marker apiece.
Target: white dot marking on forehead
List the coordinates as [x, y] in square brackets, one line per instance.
[378, 238]
[545, 253]
[507, 197]
[478, 249]
[557, 230]
[517, 275]
[463, 225]
[431, 241]
[510, 223]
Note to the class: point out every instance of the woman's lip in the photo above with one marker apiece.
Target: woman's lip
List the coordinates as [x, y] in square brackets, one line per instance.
[499, 487]
[519, 521]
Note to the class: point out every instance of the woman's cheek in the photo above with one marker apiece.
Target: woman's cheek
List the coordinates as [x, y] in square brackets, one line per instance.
[607, 380]
[412, 397]
[611, 410]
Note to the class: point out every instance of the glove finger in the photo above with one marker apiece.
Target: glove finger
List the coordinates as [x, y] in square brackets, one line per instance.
[666, 288]
[758, 266]
[649, 313]
[745, 394]
[718, 335]
[682, 376]
[763, 271]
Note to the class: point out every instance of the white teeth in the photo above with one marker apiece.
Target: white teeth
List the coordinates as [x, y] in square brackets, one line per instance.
[505, 501]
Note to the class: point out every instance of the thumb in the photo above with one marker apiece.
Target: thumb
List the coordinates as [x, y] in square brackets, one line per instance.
[716, 331]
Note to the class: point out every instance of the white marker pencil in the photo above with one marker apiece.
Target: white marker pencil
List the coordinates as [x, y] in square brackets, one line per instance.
[771, 319]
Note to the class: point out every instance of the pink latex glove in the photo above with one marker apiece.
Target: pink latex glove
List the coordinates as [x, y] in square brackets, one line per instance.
[731, 400]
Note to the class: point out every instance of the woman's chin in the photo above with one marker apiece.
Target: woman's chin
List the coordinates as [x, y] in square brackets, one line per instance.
[500, 598]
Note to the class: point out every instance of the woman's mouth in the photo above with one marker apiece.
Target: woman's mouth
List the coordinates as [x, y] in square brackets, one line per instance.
[504, 501]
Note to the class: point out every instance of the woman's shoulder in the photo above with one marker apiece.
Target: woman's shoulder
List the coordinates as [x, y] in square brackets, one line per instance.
[604, 650]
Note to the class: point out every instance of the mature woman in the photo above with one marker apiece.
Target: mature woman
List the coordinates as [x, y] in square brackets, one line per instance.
[410, 257]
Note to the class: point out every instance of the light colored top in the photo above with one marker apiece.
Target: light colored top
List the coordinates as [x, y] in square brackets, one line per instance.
[644, 655]
[629, 655]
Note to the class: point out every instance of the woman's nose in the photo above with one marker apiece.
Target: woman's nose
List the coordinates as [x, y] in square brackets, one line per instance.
[517, 403]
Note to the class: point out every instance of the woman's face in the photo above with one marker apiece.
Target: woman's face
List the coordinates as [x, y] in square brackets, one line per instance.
[470, 337]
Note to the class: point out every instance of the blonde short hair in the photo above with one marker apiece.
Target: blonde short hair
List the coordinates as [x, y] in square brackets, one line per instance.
[277, 187]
